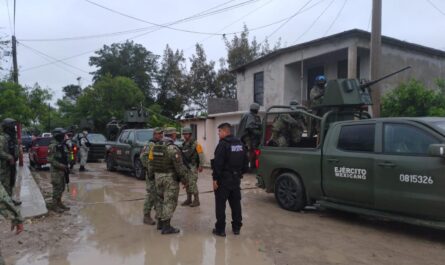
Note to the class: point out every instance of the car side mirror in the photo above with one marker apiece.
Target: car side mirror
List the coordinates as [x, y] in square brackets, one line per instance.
[437, 150]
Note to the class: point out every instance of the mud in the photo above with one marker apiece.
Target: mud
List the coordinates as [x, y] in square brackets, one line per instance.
[105, 227]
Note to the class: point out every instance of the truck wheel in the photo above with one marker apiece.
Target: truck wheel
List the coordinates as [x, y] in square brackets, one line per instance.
[289, 192]
[139, 169]
[110, 164]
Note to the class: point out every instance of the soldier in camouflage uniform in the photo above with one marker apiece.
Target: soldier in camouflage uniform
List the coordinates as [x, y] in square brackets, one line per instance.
[287, 128]
[194, 157]
[8, 156]
[166, 161]
[317, 92]
[151, 196]
[58, 159]
[8, 211]
[250, 131]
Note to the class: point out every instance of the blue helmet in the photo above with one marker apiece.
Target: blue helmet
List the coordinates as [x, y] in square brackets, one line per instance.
[320, 80]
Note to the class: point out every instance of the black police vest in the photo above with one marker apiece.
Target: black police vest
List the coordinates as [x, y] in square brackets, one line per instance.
[235, 155]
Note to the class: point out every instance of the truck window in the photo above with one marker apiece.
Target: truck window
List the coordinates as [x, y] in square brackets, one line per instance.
[358, 137]
[406, 139]
[130, 137]
[123, 137]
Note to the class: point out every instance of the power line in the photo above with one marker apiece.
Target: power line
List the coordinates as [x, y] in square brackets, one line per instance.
[52, 58]
[336, 17]
[435, 7]
[57, 61]
[289, 19]
[9, 16]
[182, 20]
[315, 21]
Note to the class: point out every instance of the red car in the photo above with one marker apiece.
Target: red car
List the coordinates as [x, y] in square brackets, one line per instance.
[38, 153]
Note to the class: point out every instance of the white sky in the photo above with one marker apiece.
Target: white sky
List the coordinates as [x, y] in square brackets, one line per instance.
[415, 21]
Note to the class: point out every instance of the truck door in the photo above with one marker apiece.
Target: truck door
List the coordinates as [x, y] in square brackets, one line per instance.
[126, 149]
[120, 147]
[408, 180]
[348, 164]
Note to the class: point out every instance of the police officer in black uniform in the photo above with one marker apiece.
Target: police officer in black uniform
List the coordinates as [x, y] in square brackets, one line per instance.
[229, 165]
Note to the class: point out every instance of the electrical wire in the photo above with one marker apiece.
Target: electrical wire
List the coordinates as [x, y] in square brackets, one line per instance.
[168, 26]
[336, 17]
[52, 58]
[289, 19]
[9, 16]
[436, 7]
[313, 23]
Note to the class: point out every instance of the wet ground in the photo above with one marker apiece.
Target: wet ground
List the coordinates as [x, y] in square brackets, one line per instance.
[105, 227]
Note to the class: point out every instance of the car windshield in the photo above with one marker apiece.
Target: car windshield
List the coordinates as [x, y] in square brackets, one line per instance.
[440, 125]
[96, 138]
[42, 141]
[144, 136]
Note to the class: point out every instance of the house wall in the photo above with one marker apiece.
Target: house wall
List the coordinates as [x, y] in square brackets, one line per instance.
[282, 74]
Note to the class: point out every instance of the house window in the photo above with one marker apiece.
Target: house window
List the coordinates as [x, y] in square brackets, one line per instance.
[258, 88]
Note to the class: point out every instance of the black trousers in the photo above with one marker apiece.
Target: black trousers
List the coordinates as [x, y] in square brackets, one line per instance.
[228, 191]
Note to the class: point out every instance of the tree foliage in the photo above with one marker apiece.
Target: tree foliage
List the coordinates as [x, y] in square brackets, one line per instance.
[72, 92]
[130, 60]
[38, 99]
[13, 103]
[414, 99]
[109, 96]
[172, 83]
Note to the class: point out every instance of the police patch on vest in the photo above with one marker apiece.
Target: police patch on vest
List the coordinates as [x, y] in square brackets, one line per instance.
[237, 148]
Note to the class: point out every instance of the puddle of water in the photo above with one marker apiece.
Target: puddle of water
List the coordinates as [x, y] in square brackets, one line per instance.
[115, 233]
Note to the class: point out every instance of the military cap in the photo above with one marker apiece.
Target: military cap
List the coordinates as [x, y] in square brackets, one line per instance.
[158, 130]
[254, 106]
[186, 130]
[170, 130]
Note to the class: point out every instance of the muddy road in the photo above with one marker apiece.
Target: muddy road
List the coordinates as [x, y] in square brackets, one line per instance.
[105, 227]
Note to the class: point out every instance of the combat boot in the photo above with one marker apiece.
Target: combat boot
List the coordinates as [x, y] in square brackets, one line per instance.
[195, 202]
[54, 207]
[168, 229]
[148, 220]
[62, 206]
[160, 224]
[188, 201]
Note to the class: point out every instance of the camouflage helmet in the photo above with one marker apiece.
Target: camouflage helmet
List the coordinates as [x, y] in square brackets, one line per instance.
[254, 106]
[58, 133]
[170, 131]
[186, 130]
[158, 130]
[8, 123]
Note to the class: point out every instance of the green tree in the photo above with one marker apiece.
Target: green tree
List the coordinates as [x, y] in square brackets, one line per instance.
[414, 99]
[38, 99]
[72, 92]
[202, 79]
[172, 83]
[14, 103]
[130, 60]
[239, 50]
[109, 96]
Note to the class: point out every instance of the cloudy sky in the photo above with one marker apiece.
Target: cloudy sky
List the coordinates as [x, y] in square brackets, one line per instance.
[57, 37]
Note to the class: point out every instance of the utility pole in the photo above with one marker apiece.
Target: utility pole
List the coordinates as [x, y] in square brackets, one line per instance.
[49, 117]
[15, 73]
[376, 50]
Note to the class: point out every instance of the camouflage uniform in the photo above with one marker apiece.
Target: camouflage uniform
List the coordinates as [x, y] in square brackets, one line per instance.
[58, 168]
[5, 167]
[250, 131]
[83, 148]
[286, 130]
[194, 157]
[168, 169]
[316, 96]
[8, 211]
[151, 196]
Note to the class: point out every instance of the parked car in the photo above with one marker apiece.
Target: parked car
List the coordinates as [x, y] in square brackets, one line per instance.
[26, 141]
[97, 148]
[124, 152]
[38, 153]
[46, 134]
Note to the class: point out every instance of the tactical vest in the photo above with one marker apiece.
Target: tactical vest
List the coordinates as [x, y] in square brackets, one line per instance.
[161, 161]
[189, 153]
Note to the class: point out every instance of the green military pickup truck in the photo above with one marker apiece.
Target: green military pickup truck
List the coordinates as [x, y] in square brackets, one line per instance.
[387, 167]
[124, 152]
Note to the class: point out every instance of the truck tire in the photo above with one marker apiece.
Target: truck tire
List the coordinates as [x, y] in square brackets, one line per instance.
[110, 164]
[139, 169]
[289, 192]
